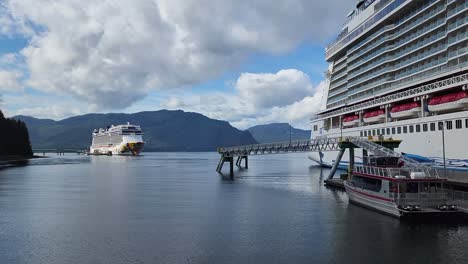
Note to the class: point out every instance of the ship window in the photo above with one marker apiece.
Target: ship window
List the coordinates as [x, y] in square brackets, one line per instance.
[361, 134]
[405, 129]
[411, 129]
[458, 124]
[369, 133]
[418, 128]
[383, 131]
[315, 127]
[433, 127]
[448, 124]
[466, 123]
[440, 125]
[393, 130]
[374, 133]
[388, 131]
[399, 130]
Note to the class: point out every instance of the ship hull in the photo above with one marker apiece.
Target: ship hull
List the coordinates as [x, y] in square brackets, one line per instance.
[428, 145]
[122, 149]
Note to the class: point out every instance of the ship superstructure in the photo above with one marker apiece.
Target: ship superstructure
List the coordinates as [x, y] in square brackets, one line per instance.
[117, 140]
[400, 69]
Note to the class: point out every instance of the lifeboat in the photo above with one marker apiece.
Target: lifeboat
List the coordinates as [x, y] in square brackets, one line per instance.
[375, 116]
[405, 110]
[449, 102]
[350, 121]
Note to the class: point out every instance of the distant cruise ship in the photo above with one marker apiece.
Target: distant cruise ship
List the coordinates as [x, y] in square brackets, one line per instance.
[117, 140]
[400, 69]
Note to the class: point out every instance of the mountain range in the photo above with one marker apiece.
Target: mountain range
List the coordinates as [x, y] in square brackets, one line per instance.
[277, 132]
[164, 130]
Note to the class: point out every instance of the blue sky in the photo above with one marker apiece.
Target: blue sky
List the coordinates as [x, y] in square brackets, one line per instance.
[247, 63]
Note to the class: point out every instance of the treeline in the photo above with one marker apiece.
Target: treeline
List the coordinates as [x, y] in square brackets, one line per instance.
[14, 138]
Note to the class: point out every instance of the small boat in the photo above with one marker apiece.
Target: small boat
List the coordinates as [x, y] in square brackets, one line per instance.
[449, 102]
[375, 116]
[350, 121]
[383, 184]
[407, 110]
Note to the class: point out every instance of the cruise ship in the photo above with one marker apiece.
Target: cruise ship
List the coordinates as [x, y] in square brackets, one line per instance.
[117, 140]
[399, 69]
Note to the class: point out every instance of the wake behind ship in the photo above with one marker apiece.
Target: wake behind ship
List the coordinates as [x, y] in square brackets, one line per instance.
[117, 140]
[400, 69]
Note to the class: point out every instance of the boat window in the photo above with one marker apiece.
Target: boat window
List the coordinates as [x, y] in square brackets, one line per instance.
[399, 130]
[369, 133]
[361, 134]
[388, 131]
[458, 124]
[448, 124]
[440, 125]
[411, 129]
[418, 128]
[432, 126]
[466, 123]
[393, 130]
[405, 129]
[315, 127]
[383, 131]
[374, 133]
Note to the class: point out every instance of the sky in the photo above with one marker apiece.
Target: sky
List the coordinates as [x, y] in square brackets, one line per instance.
[248, 62]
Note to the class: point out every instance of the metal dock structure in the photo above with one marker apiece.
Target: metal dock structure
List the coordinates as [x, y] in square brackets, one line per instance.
[379, 146]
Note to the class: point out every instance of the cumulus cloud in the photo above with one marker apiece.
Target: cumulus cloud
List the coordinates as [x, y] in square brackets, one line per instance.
[296, 100]
[113, 53]
[268, 89]
[10, 81]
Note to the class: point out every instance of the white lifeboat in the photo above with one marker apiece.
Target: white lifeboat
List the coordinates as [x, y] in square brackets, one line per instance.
[405, 110]
[449, 102]
[350, 121]
[375, 116]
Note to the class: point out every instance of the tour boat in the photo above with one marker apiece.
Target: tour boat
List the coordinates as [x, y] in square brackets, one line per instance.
[407, 110]
[382, 184]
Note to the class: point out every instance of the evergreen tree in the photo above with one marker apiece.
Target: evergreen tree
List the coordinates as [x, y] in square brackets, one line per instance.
[14, 137]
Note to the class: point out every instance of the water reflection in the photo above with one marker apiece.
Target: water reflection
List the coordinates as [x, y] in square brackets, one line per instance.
[174, 208]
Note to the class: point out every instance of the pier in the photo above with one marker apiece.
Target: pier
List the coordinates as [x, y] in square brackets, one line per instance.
[60, 151]
[379, 146]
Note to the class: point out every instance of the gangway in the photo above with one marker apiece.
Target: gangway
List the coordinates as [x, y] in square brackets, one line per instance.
[377, 147]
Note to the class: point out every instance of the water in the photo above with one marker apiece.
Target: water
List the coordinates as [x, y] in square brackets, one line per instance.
[174, 208]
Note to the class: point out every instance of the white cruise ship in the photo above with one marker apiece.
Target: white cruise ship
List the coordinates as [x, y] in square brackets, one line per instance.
[400, 69]
[117, 140]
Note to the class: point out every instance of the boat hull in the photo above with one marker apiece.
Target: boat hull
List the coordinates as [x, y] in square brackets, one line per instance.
[372, 201]
[122, 149]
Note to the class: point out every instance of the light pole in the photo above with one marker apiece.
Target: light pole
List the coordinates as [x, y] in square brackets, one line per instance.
[441, 126]
[341, 127]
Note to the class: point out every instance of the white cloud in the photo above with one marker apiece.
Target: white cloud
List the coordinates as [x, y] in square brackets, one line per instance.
[113, 53]
[10, 81]
[259, 106]
[280, 89]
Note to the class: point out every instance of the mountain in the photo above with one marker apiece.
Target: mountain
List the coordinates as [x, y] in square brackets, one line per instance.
[164, 131]
[277, 132]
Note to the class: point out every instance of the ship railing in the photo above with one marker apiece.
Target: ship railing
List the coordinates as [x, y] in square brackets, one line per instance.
[398, 173]
[425, 199]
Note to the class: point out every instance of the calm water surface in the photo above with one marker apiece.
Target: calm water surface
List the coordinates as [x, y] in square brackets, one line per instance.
[174, 208]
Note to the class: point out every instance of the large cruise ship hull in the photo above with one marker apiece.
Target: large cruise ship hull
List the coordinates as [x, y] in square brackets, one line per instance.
[123, 149]
[426, 146]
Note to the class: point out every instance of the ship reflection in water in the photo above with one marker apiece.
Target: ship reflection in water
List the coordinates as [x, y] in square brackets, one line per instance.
[174, 208]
